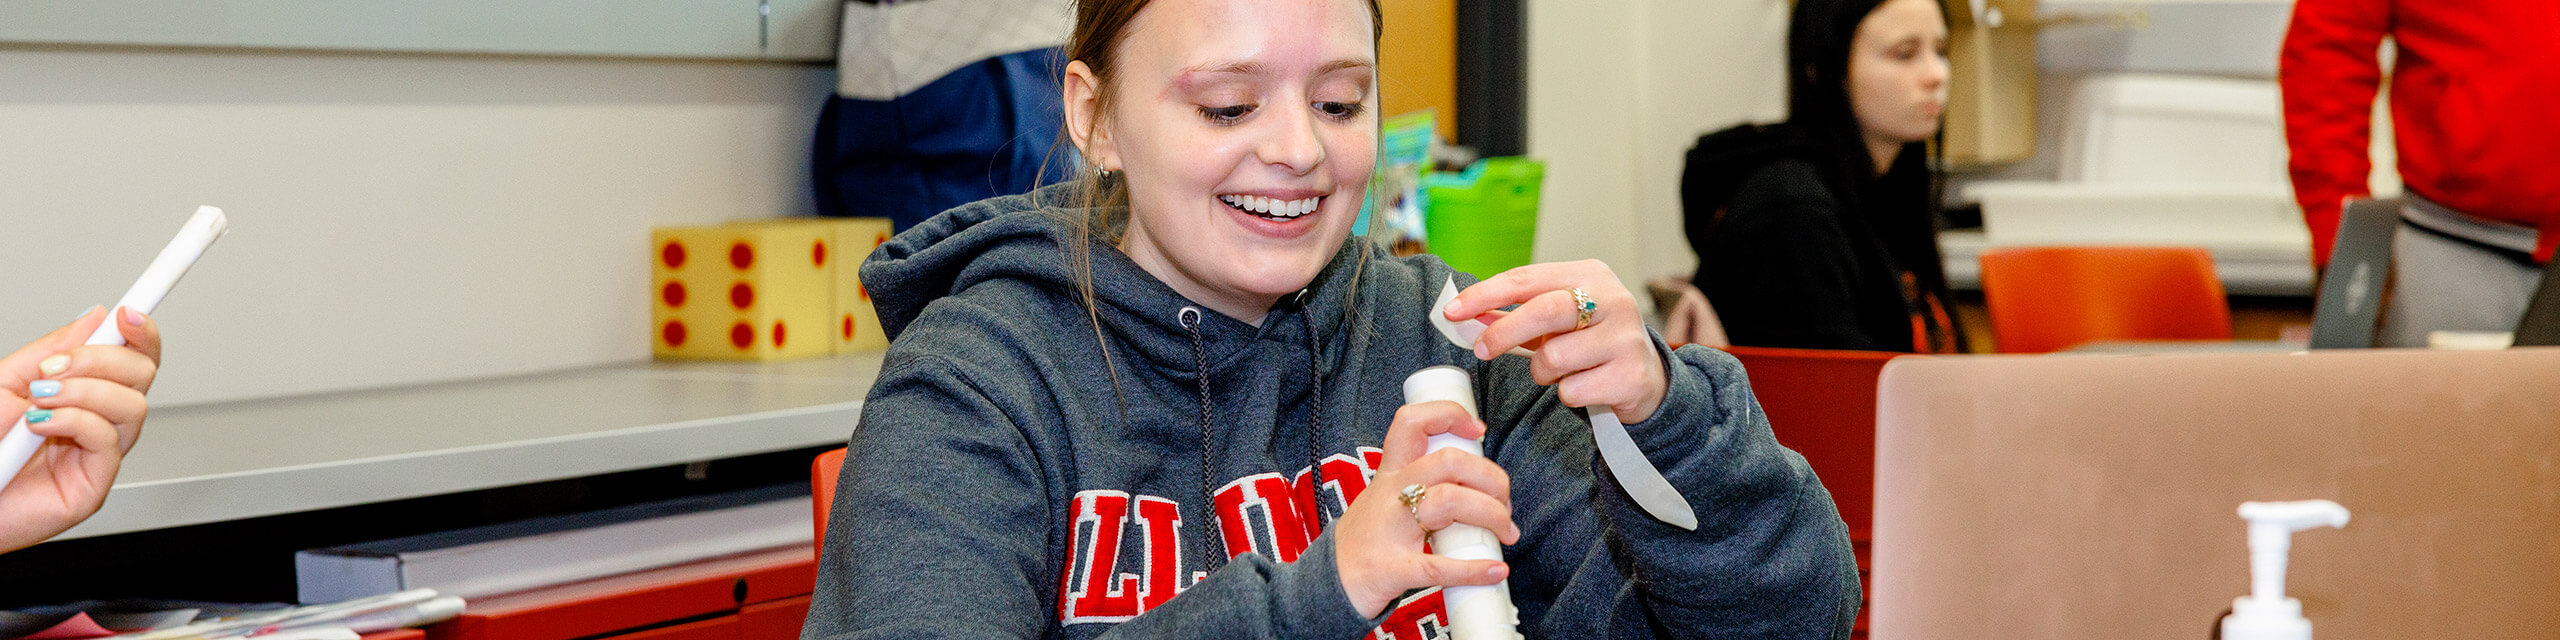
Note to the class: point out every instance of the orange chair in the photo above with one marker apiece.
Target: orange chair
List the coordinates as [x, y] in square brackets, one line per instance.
[822, 490]
[1822, 404]
[2045, 299]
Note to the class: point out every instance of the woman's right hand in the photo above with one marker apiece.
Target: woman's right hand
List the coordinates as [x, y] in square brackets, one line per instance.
[1378, 543]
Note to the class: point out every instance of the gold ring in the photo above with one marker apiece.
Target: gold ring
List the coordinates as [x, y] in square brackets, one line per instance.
[1412, 496]
[1582, 308]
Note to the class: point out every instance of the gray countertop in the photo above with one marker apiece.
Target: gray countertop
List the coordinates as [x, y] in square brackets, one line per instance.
[227, 461]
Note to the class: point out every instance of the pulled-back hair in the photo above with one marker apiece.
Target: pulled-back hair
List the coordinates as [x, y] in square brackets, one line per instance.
[1101, 207]
[1100, 26]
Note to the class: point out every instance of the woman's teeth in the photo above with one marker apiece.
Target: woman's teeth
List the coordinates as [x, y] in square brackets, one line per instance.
[1270, 207]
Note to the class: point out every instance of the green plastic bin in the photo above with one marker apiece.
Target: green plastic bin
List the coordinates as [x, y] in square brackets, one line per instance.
[1484, 221]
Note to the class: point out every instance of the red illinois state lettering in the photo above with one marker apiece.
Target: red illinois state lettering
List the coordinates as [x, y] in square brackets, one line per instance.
[1345, 476]
[1259, 513]
[1421, 616]
[1093, 586]
[1160, 525]
[1092, 589]
[1266, 513]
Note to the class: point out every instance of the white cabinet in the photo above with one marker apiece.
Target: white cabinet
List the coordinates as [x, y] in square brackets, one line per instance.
[784, 30]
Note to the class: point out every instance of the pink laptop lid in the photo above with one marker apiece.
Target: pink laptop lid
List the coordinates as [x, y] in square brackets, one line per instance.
[2094, 497]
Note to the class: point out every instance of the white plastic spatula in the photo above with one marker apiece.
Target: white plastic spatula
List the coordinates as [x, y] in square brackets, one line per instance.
[1642, 481]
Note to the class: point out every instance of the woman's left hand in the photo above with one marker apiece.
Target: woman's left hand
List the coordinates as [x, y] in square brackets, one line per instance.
[91, 410]
[1608, 362]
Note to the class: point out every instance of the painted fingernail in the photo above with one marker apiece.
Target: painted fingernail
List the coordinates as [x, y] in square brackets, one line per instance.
[39, 415]
[44, 388]
[55, 365]
[132, 317]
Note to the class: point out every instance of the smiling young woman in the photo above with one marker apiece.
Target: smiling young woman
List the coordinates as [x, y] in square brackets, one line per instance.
[1218, 431]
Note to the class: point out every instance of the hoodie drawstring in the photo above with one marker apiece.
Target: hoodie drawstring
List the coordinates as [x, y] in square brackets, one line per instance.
[1190, 318]
[1315, 420]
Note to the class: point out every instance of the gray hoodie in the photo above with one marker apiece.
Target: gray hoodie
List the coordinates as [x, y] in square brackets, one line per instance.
[1015, 475]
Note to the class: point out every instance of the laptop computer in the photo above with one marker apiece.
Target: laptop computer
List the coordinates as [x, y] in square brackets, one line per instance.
[2350, 297]
[2541, 324]
[2094, 497]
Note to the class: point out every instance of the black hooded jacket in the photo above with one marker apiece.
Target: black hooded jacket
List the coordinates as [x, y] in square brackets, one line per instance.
[1786, 252]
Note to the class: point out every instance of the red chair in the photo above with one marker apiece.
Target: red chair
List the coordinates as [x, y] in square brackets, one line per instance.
[2045, 299]
[1822, 404]
[822, 491]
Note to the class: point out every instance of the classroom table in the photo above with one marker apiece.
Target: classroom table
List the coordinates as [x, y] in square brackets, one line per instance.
[251, 458]
[2187, 346]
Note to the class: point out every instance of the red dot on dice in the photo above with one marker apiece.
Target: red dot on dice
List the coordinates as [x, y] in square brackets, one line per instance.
[818, 253]
[848, 326]
[673, 294]
[742, 256]
[742, 295]
[742, 336]
[777, 334]
[672, 255]
[673, 333]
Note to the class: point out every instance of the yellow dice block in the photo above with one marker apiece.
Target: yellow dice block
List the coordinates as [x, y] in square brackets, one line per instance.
[857, 322]
[759, 290]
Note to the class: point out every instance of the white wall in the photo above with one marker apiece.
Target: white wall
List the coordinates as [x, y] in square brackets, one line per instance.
[2227, 38]
[408, 219]
[396, 219]
[1618, 90]
[1709, 65]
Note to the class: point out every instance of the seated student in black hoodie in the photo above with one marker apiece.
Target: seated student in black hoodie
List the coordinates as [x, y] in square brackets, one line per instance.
[1818, 232]
[1163, 400]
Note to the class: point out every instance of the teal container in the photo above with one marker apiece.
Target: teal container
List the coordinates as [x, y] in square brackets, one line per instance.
[1484, 221]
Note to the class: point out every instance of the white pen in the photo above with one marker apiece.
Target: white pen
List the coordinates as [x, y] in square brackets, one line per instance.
[200, 231]
[249, 623]
[422, 614]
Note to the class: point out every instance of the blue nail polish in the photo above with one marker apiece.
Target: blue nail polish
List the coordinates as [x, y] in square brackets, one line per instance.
[44, 388]
[39, 415]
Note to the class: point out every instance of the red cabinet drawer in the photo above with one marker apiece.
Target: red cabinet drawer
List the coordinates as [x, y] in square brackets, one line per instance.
[720, 628]
[777, 620]
[630, 601]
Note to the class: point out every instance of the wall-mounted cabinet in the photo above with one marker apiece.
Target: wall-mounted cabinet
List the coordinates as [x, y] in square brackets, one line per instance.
[781, 30]
[1991, 90]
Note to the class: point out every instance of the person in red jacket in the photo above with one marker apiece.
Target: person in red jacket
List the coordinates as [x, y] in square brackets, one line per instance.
[2474, 90]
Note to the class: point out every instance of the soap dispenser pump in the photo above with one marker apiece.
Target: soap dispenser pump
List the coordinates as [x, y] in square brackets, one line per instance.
[2266, 614]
